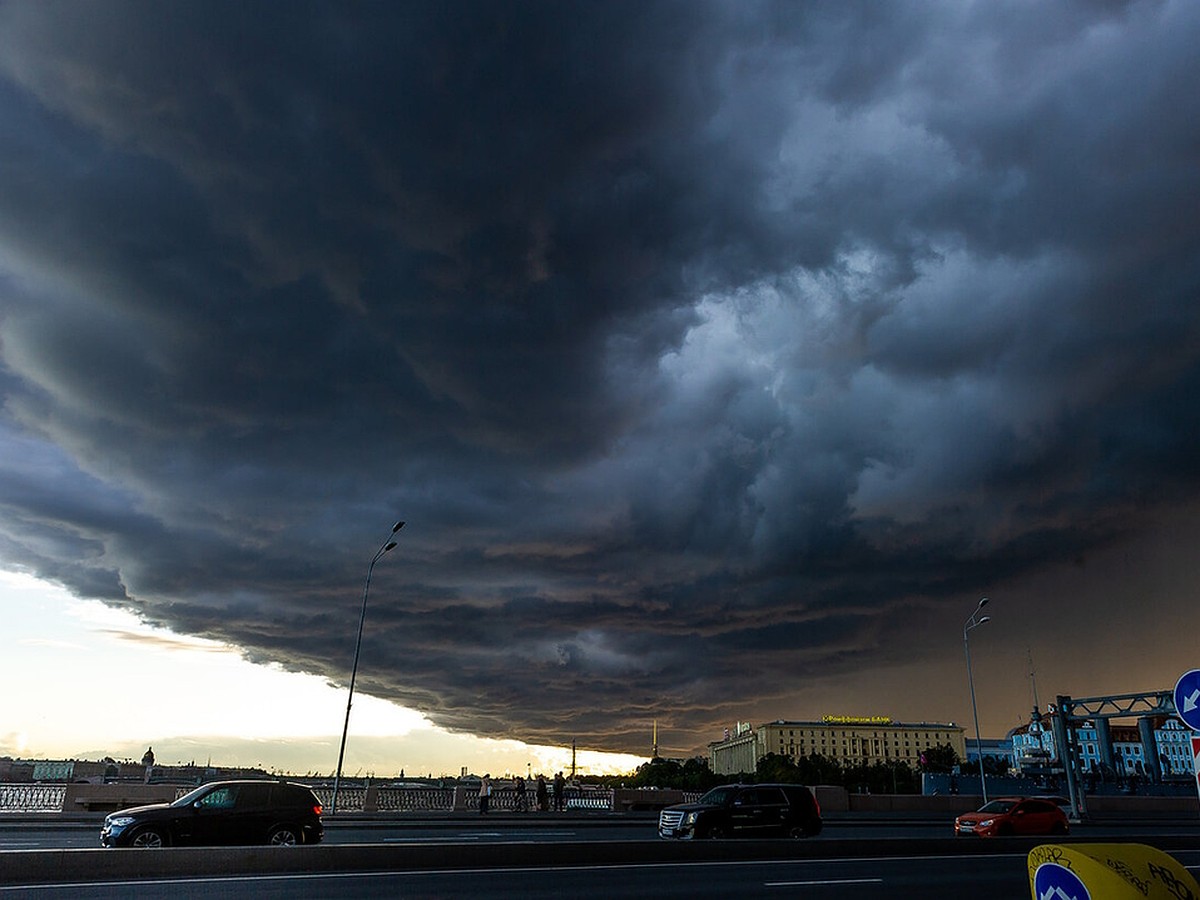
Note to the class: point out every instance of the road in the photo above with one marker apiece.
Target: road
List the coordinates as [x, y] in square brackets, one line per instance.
[51, 835]
[852, 860]
[1000, 876]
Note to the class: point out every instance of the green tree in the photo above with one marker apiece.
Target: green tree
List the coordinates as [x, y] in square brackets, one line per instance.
[691, 775]
[941, 758]
[818, 769]
[776, 768]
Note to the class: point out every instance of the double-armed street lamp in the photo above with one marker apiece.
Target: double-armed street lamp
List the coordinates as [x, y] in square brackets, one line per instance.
[974, 622]
[337, 778]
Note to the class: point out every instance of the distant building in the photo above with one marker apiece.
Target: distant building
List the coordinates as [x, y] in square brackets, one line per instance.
[1032, 746]
[847, 740]
[991, 748]
[737, 752]
[1174, 748]
[15, 771]
[1034, 750]
[53, 769]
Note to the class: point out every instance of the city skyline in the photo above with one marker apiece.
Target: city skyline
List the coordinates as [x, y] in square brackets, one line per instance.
[720, 356]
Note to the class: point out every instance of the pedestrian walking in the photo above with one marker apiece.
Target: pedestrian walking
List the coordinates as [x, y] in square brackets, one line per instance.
[542, 799]
[559, 792]
[520, 789]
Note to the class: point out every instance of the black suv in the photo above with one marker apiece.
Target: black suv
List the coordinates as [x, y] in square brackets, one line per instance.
[745, 810]
[222, 812]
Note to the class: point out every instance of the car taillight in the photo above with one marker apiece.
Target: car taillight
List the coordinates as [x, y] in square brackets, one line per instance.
[317, 809]
[817, 804]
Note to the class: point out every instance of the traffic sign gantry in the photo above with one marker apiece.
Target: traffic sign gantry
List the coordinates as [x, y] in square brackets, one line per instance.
[1187, 698]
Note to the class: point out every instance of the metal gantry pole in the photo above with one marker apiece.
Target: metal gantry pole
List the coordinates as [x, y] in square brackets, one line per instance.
[337, 778]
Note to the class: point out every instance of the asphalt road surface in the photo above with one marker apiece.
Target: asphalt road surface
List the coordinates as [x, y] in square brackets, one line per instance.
[1001, 876]
[51, 835]
[989, 870]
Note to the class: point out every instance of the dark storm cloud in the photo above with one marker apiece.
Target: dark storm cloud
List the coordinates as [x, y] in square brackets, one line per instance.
[694, 341]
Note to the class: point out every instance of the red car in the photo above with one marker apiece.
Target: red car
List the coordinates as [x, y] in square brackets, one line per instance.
[1013, 815]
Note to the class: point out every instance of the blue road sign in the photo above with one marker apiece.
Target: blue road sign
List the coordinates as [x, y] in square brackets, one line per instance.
[1187, 698]
[1054, 882]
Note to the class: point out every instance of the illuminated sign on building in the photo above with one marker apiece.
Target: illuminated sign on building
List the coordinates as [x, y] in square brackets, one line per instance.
[857, 720]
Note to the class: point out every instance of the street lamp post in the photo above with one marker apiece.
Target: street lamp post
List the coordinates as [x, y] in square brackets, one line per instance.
[337, 778]
[974, 622]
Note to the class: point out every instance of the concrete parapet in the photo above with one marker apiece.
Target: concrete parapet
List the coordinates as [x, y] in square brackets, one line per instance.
[948, 804]
[831, 798]
[634, 799]
[110, 797]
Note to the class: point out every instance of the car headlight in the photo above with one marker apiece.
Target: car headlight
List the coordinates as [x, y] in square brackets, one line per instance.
[120, 821]
[689, 819]
[986, 823]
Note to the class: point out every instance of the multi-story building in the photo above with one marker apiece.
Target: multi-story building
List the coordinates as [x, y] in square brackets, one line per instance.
[1034, 747]
[988, 748]
[53, 769]
[738, 752]
[848, 740]
[1174, 741]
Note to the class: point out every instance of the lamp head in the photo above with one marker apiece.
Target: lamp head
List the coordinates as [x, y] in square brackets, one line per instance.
[397, 527]
[388, 546]
[982, 603]
[985, 619]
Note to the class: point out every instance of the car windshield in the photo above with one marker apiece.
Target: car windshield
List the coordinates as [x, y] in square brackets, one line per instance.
[717, 797]
[998, 806]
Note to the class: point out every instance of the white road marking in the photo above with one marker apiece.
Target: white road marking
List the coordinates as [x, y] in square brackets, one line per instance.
[829, 881]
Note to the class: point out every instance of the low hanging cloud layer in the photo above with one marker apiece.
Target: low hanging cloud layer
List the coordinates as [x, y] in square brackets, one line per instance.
[710, 350]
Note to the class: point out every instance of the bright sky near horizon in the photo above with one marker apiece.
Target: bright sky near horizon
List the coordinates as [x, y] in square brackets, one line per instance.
[85, 681]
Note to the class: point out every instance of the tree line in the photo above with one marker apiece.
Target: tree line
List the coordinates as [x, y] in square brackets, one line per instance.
[891, 777]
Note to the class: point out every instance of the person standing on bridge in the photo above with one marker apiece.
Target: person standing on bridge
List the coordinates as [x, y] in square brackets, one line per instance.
[542, 799]
[485, 794]
[520, 789]
[560, 787]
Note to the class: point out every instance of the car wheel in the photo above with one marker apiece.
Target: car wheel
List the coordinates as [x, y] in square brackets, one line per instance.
[1004, 831]
[797, 832]
[717, 832]
[1059, 828]
[283, 836]
[149, 838]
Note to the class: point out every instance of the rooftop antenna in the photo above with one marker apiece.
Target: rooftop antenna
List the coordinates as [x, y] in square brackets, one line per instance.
[1037, 709]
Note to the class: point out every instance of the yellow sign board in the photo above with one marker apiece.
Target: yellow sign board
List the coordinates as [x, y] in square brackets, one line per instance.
[1107, 872]
[857, 720]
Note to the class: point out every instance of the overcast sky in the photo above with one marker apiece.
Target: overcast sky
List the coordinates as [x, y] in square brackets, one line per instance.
[719, 356]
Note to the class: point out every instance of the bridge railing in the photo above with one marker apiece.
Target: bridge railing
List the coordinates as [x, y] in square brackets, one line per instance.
[32, 797]
[508, 799]
[414, 799]
[385, 799]
[28, 797]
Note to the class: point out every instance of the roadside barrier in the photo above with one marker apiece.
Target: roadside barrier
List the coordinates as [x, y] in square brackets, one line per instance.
[1107, 872]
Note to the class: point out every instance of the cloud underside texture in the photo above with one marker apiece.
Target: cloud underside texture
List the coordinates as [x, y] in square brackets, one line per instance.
[693, 341]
